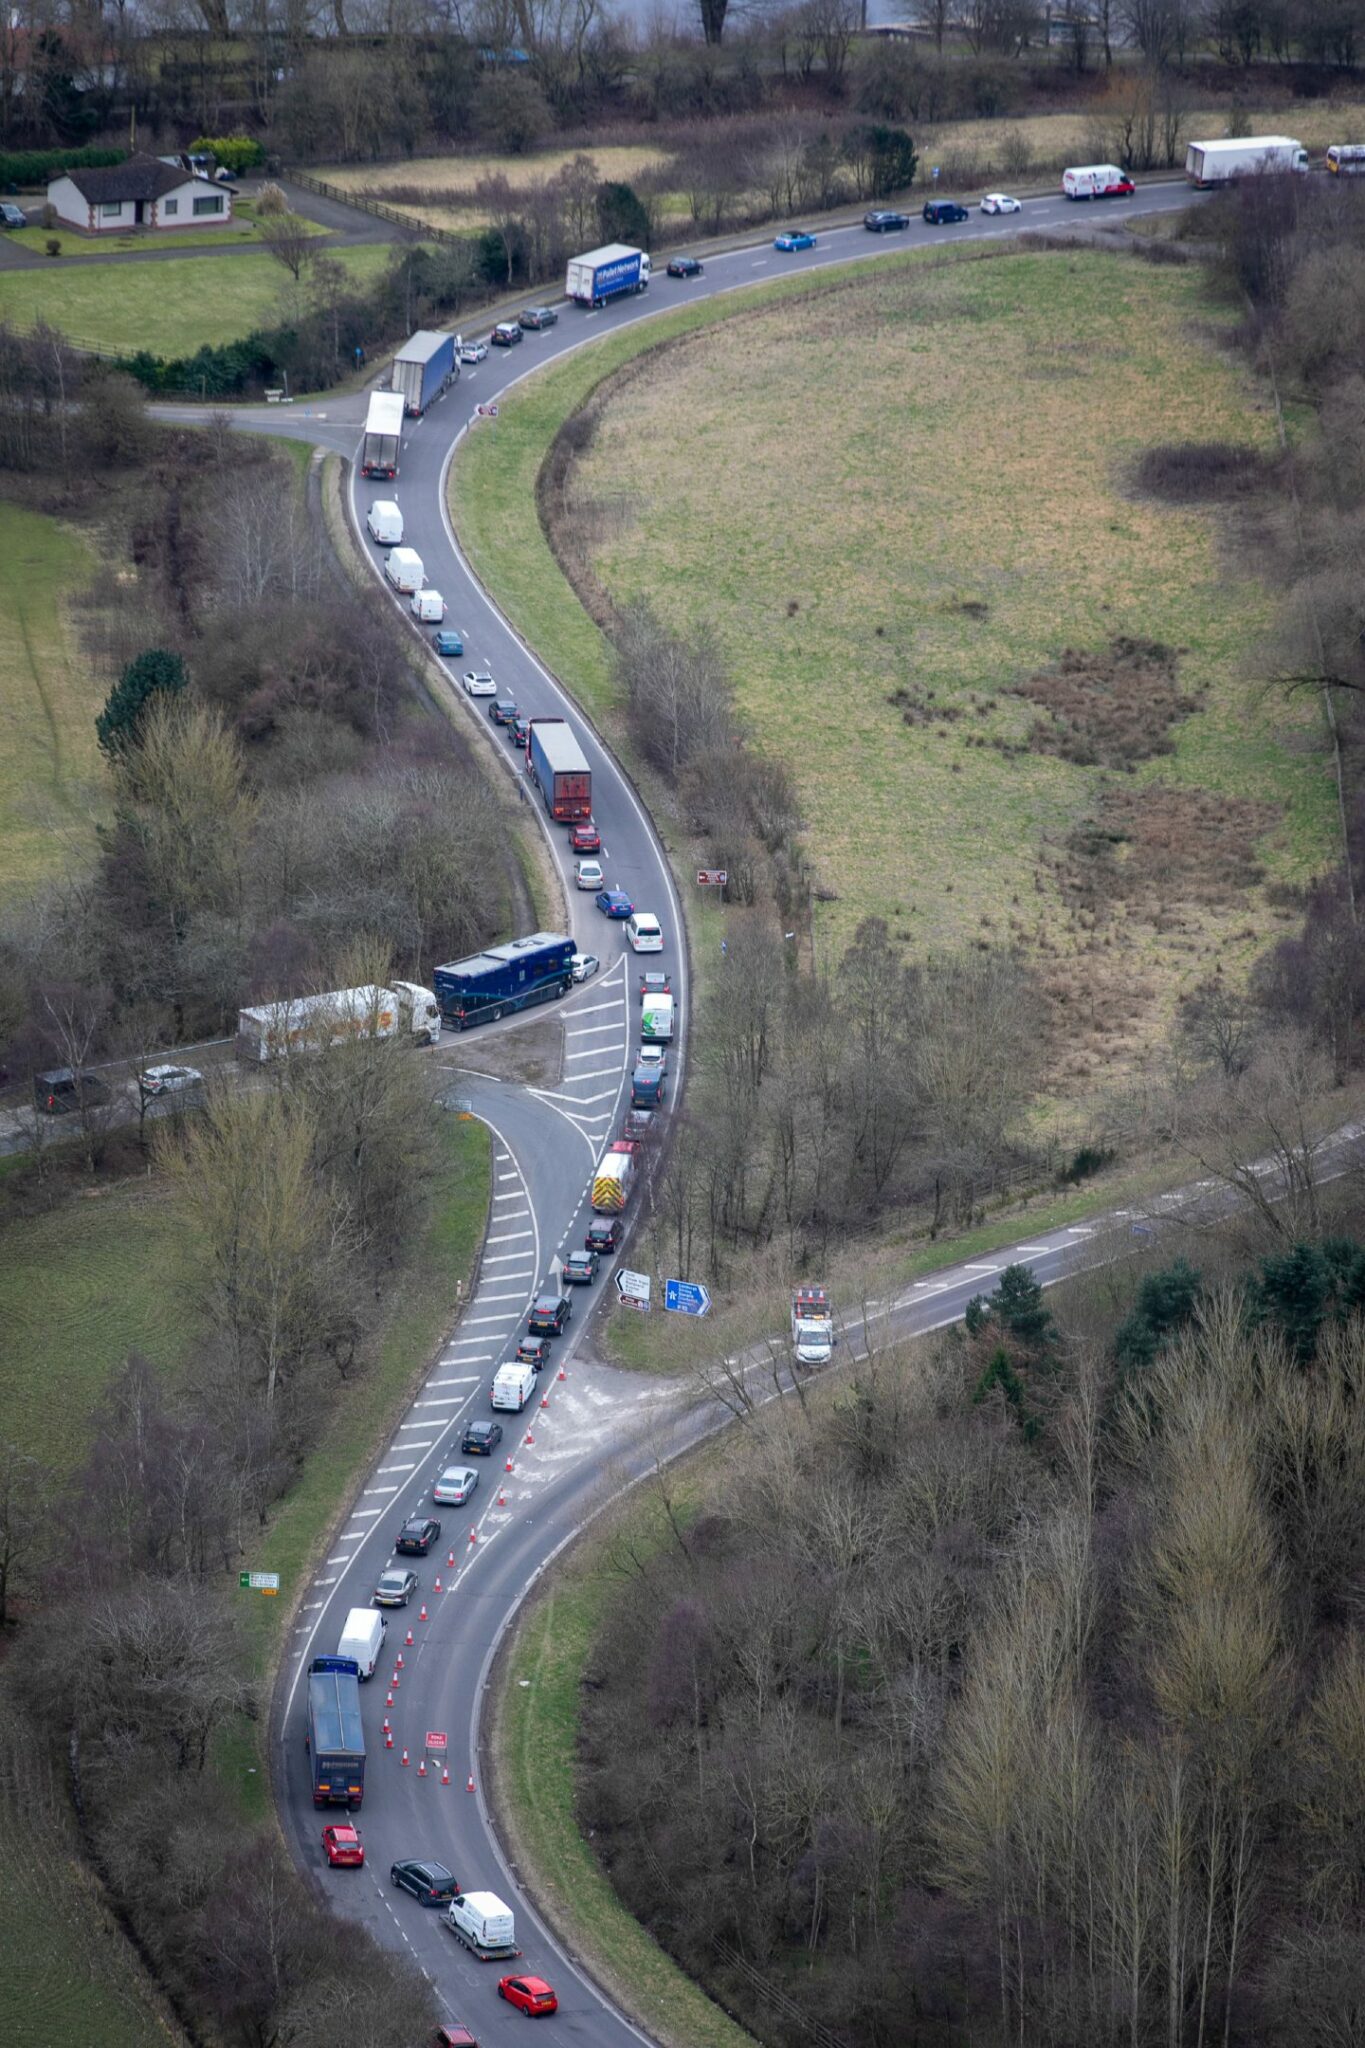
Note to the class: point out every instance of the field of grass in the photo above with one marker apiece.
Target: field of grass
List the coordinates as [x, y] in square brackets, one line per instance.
[964, 520]
[245, 227]
[459, 174]
[50, 779]
[535, 1726]
[171, 307]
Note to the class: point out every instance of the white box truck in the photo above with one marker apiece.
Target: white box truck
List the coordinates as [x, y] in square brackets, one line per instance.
[271, 1031]
[385, 523]
[600, 275]
[1096, 181]
[1249, 156]
[380, 449]
[484, 1924]
[403, 568]
[513, 1386]
[363, 1639]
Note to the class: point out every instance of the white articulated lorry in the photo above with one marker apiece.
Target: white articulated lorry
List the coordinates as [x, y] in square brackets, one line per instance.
[272, 1031]
[1249, 156]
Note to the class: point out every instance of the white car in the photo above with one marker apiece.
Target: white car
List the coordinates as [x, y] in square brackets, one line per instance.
[169, 1080]
[479, 683]
[587, 874]
[652, 1056]
[473, 351]
[1000, 202]
[644, 932]
[455, 1485]
[584, 966]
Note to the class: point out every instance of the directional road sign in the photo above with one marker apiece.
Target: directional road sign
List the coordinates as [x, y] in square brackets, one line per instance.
[633, 1288]
[259, 1582]
[686, 1297]
[712, 878]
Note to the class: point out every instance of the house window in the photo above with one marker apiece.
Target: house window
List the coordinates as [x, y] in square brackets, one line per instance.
[114, 212]
[212, 202]
[171, 206]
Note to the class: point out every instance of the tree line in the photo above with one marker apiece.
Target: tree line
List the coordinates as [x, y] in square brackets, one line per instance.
[1013, 1689]
[275, 787]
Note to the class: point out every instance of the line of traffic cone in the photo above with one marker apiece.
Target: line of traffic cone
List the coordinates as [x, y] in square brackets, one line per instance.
[423, 1615]
[404, 1759]
[422, 1768]
[437, 1589]
[469, 1787]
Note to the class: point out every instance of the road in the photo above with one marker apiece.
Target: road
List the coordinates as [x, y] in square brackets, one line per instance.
[589, 1434]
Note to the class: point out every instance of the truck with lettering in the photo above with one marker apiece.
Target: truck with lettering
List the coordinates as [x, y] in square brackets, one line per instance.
[607, 273]
[271, 1031]
[514, 976]
[335, 1739]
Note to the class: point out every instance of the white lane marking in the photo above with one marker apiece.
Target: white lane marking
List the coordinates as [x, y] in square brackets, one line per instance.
[312, 1605]
[594, 1030]
[332, 1581]
[591, 1009]
[446, 1401]
[578, 1101]
[416, 1447]
[357, 1514]
[509, 1176]
[370, 1490]
[344, 1556]
[385, 1469]
[593, 1052]
[503, 1316]
[471, 1381]
[1078, 1230]
[515, 1196]
[512, 1294]
[508, 1236]
[1037, 1247]
[503, 1259]
[981, 1269]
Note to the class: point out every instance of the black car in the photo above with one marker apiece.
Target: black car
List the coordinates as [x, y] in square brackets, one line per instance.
[12, 216]
[684, 266]
[506, 334]
[533, 1351]
[519, 731]
[580, 1269]
[538, 316]
[64, 1089]
[430, 1883]
[549, 1315]
[503, 710]
[481, 1439]
[941, 212]
[604, 1234]
[885, 223]
[416, 1537]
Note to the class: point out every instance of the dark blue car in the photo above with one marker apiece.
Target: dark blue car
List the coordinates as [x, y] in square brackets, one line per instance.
[614, 903]
[794, 238]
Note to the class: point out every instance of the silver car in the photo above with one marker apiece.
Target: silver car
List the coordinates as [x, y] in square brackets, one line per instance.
[455, 1486]
[155, 1081]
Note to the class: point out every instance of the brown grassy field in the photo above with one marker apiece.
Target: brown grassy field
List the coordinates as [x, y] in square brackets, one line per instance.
[899, 542]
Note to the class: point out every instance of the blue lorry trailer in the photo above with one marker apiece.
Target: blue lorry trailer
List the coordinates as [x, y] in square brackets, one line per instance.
[494, 983]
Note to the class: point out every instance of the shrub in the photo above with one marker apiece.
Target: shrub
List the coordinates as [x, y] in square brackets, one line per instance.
[36, 166]
[621, 215]
[239, 153]
[271, 201]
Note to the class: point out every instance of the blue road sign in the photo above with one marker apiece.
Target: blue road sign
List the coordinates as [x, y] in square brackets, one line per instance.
[686, 1297]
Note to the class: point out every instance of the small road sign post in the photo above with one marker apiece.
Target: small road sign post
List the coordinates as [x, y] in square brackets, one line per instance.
[436, 1739]
[633, 1289]
[259, 1582]
[686, 1298]
[712, 878]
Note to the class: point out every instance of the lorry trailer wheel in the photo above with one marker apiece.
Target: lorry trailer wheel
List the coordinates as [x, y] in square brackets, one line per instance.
[495, 1014]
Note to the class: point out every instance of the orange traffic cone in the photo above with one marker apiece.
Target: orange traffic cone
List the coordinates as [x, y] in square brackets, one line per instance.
[423, 1615]
[502, 1497]
[388, 1740]
[438, 1585]
[473, 1535]
[509, 1465]
[529, 1438]
[388, 1699]
[408, 1637]
[562, 1374]
[470, 1786]
[398, 1661]
[422, 1768]
[544, 1400]
[445, 1774]
[386, 1724]
[404, 1759]
[450, 1561]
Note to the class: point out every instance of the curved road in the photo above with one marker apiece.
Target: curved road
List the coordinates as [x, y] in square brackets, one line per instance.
[593, 1431]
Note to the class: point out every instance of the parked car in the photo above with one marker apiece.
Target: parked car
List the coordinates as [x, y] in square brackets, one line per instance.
[580, 1269]
[614, 903]
[481, 1439]
[604, 1234]
[534, 317]
[533, 1351]
[1000, 202]
[479, 683]
[12, 216]
[881, 223]
[416, 1536]
[394, 1588]
[473, 351]
[506, 334]
[63, 1089]
[684, 266]
[794, 238]
[585, 837]
[584, 966]
[531, 1995]
[942, 212]
[154, 1081]
[447, 643]
[550, 1313]
[455, 1486]
[343, 1847]
[430, 1883]
[503, 710]
[587, 874]
[645, 933]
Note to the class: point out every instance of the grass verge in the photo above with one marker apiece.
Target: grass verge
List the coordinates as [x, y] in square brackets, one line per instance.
[49, 761]
[534, 1727]
[171, 307]
[245, 228]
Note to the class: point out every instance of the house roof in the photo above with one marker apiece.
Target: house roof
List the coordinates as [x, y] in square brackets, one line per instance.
[142, 177]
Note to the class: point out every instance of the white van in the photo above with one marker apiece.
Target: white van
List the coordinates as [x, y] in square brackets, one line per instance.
[429, 606]
[513, 1386]
[645, 932]
[385, 522]
[403, 567]
[482, 1922]
[1097, 181]
[363, 1639]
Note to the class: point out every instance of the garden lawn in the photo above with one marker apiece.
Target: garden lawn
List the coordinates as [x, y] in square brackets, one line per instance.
[171, 306]
[51, 784]
[245, 227]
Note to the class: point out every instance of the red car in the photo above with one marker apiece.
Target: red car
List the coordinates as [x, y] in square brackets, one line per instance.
[530, 1995]
[343, 1846]
[455, 2036]
[585, 837]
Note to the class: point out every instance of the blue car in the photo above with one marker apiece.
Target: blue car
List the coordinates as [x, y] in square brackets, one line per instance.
[447, 643]
[614, 903]
[795, 238]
